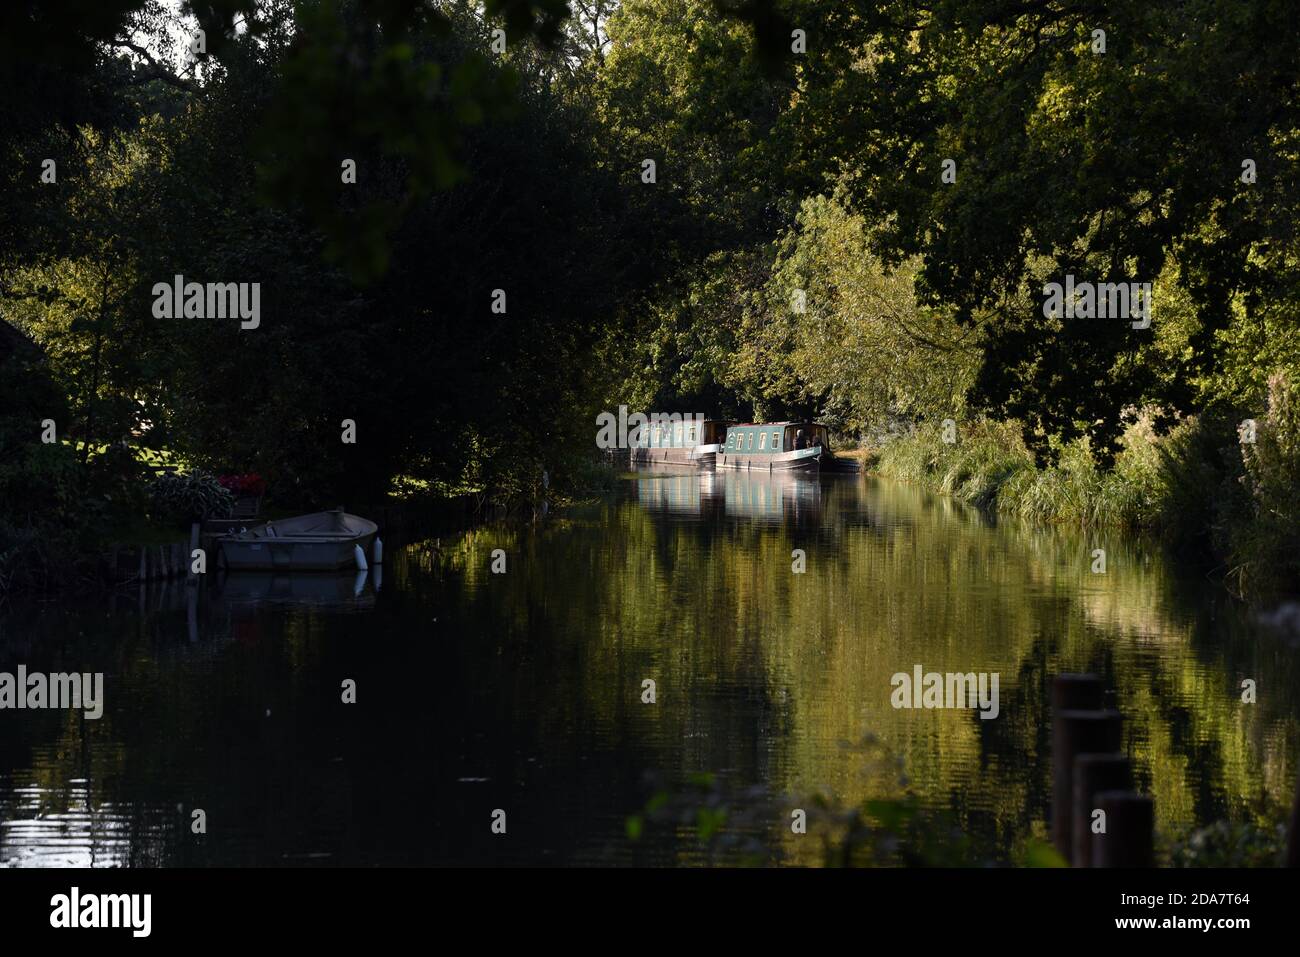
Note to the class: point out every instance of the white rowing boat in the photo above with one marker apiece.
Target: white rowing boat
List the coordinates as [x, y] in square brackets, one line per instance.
[315, 542]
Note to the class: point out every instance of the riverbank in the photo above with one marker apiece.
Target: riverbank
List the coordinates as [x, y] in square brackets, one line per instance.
[65, 551]
[1204, 487]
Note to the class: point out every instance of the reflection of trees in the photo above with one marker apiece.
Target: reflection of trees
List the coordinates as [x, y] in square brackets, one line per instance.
[532, 680]
[742, 648]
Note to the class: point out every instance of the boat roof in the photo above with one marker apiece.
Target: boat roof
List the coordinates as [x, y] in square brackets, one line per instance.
[744, 425]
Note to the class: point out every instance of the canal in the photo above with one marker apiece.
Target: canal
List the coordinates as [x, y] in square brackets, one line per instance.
[664, 676]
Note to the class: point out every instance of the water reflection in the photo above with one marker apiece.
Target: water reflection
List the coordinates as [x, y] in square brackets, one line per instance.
[771, 499]
[324, 589]
[523, 690]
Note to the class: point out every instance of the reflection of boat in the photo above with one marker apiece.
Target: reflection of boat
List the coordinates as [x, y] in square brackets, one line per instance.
[776, 447]
[689, 494]
[340, 588]
[688, 443]
[320, 541]
[787, 498]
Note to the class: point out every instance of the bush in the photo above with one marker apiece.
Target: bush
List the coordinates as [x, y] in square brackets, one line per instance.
[989, 466]
[1225, 844]
[188, 497]
[1266, 548]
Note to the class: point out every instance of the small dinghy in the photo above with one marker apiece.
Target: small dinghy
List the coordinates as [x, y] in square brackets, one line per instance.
[321, 541]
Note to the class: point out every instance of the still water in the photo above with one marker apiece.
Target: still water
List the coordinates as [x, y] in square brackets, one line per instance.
[524, 691]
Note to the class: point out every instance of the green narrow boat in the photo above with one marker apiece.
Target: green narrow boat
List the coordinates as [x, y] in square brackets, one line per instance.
[690, 443]
[777, 447]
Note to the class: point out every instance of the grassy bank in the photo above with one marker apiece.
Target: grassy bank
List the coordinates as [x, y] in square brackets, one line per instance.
[1200, 486]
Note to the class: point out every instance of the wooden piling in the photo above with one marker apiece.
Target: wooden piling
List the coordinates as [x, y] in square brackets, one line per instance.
[1076, 732]
[1129, 840]
[190, 577]
[1076, 692]
[1093, 774]
[1293, 836]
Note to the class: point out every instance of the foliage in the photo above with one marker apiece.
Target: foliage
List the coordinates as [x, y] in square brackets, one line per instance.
[1202, 487]
[1053, 178]
[851, 332]
[777, 171]
[189, 496]
[204, 177]
[1267, 546]
[40, 482]
[989, 465]
[1228, 844]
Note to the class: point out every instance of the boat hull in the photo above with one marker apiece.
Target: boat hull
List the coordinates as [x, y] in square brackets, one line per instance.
[802, 460]
[322, 541]
[683, 458]
[293, 556]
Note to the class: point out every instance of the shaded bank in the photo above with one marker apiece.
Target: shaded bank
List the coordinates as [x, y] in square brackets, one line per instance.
[1222, 492]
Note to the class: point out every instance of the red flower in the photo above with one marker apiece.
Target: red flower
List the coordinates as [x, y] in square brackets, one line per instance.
[250, 484]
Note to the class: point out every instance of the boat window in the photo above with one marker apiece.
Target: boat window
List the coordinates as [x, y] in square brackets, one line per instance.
[750, 444]
[677, 434]
[762, 441]
[776, 441]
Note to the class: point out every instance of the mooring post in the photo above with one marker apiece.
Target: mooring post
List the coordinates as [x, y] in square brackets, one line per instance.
[1076, 692]
[1129, 838]
[1070, 692]
[1293, 835]
[1075, 733]
[1094, 773]
[190, 577]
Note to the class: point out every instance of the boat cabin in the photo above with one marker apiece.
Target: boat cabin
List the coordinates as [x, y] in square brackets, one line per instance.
[686, 434]
[774, 438]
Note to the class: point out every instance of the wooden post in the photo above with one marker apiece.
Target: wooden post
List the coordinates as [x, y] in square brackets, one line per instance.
[1075, 733]
[190, 577]
[1293, 836]
[1129, 840]
[1094, 773]
[1076, 692]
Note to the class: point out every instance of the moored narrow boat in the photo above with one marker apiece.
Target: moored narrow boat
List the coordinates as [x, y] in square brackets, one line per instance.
[777, 447]
[321, 541]
[690, 443]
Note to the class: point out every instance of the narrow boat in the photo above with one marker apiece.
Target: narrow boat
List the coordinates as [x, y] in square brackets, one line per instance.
[321, 541]
[778, 447]
[689, 443]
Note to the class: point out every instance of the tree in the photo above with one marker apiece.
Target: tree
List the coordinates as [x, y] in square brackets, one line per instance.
[1069, 160]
